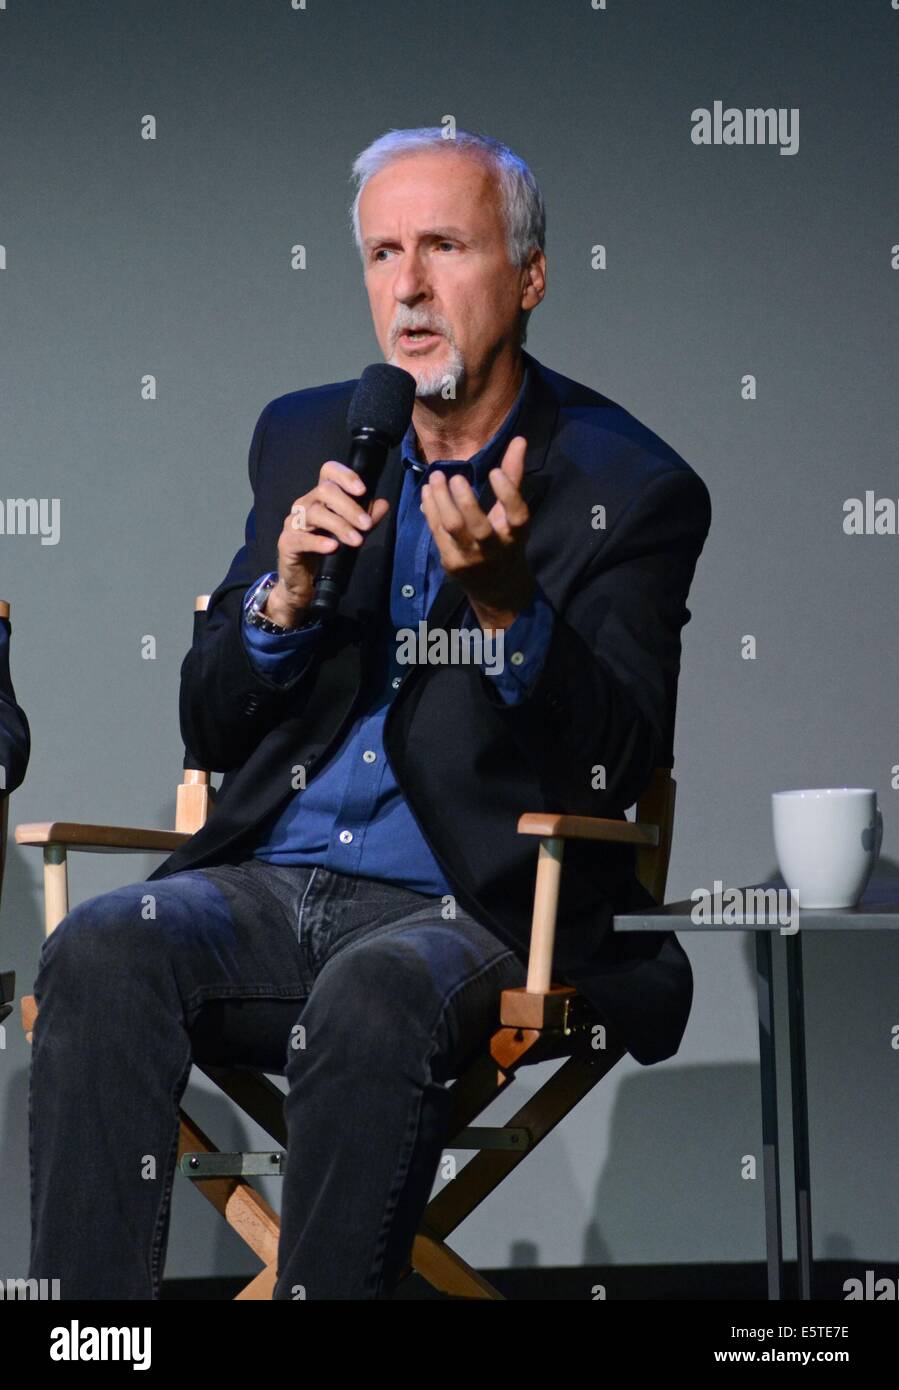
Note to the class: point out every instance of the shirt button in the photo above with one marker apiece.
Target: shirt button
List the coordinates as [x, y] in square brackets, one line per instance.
[345, 837]
[517, 658]
[397, 682]
[407, 591]
[369, 756]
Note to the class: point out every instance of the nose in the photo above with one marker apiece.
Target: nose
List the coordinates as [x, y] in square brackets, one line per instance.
[410, 282]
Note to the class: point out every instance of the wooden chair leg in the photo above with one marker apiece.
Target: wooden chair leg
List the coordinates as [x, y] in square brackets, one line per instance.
[56, 905]
[243, 1207]
[540, 1114]
[447, 1271]
[546, 906]
[56, 886]
[263, 1286]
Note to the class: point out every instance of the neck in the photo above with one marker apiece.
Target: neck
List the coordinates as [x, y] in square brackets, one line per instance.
[458, 429]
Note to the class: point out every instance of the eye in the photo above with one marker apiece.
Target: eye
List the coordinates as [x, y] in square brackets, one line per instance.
[450, 244]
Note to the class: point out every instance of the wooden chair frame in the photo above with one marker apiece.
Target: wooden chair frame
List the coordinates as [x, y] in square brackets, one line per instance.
[540, 1021]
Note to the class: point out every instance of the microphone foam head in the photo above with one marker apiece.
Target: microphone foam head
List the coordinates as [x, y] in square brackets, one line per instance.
[383, 400]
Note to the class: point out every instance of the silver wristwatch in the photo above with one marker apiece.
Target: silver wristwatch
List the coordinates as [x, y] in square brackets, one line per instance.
[256, 601]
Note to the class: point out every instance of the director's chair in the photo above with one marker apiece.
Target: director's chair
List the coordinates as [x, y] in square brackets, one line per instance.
[538, 1022]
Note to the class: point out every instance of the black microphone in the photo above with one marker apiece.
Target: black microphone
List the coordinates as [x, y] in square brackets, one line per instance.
[378, 417]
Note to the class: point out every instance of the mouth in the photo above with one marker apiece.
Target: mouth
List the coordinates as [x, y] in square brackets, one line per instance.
[418, 338]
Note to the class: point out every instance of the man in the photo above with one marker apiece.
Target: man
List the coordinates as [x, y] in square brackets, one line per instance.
[15, 750]
[359, 895]
[15, 735]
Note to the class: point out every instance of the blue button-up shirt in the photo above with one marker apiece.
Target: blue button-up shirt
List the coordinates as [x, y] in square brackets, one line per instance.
[352, 816]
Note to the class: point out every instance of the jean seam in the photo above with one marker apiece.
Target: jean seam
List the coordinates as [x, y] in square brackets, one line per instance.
[31, 1143]
[203, 993]
[303, 941]
[376, 1269]
[168, 1181]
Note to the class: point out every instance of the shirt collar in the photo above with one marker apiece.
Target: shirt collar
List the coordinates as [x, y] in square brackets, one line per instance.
[479, 465]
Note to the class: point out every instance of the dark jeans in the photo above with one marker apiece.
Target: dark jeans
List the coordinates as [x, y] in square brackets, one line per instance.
[220, 965]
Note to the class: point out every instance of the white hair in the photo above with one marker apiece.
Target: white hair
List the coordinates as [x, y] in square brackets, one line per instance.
[520, 197]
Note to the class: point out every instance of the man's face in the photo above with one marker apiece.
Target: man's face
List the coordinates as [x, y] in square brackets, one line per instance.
[435, 257]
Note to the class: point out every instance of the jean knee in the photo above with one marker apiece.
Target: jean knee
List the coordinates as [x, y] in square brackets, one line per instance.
[95, 938]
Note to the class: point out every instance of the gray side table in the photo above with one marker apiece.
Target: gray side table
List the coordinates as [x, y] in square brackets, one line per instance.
[878, 910]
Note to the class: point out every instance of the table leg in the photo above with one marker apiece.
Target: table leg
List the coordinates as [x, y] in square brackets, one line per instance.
[799, 1098]
[770, 1154]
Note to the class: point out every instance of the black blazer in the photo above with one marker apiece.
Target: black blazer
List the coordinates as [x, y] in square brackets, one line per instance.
[15, 735]
[469, 764]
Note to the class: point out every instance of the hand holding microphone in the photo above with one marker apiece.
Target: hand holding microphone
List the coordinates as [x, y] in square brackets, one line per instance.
[317, 547]
[333, 512]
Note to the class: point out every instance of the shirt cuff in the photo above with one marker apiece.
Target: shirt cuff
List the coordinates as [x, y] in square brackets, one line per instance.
[280, 656]
[524, 647]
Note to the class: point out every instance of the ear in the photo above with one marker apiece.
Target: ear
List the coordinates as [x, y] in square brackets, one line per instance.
[534, 282]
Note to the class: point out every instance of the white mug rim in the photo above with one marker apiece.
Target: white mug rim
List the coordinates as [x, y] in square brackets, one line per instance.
[822, 793]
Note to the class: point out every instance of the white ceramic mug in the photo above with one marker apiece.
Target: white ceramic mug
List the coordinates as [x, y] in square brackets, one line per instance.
[827, 841]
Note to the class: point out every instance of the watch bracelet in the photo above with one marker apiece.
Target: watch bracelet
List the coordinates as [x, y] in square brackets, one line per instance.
[256, 618]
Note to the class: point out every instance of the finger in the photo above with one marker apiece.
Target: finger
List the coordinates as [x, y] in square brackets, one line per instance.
[336, 500]
[445, 509]
[513, 459]
[313, 540]
[347, 478]
[316, 541]
[449, 504]
[377, 510]
[321, 518]
[516, 509]
[449, 550]
[500, 522]
[476, 523]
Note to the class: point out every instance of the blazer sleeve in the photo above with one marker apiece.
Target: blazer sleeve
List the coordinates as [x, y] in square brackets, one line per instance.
[226, 705]
[604, 695]
[15, 735]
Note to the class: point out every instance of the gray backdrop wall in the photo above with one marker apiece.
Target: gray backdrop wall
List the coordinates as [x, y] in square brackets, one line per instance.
[171, 257]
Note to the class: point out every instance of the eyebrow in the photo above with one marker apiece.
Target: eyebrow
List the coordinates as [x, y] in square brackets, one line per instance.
[454, 233]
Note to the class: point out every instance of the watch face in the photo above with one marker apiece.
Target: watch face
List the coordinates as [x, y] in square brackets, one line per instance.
[258, 596]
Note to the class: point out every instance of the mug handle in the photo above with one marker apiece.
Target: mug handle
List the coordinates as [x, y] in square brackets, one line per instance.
[878, 838]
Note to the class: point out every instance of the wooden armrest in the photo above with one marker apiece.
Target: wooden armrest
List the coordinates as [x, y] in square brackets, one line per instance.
[553, 831]
[103, 839]
[561, 827]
